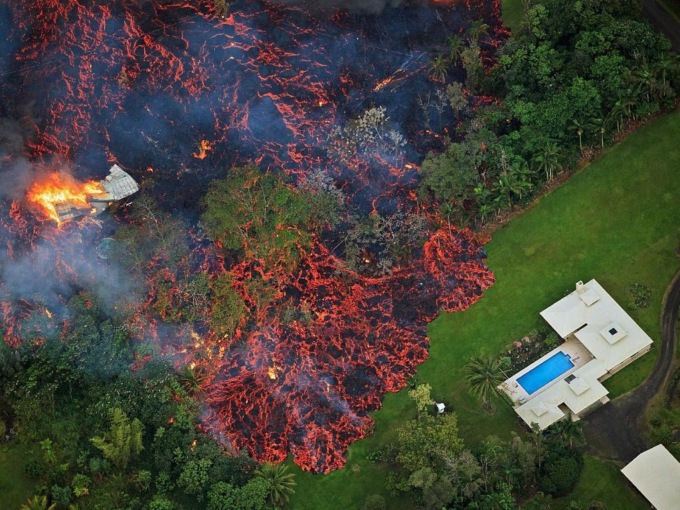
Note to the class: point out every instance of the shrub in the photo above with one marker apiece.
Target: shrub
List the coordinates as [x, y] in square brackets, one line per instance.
[34, 468]
[640, 294]
[560, 474]
[551, 339]
[383, 453]
[375, 502]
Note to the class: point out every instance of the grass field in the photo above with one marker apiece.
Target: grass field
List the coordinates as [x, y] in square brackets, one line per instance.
[512, 13]
[617, 221]
[15, 486]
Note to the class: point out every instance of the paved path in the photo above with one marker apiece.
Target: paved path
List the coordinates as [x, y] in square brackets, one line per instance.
[614, 430]
[665, 23]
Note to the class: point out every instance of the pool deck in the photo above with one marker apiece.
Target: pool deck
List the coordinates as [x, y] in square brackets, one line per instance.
[579, 355]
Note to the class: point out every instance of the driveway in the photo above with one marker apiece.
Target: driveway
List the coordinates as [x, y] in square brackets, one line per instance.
[665, 23]
[614, 431]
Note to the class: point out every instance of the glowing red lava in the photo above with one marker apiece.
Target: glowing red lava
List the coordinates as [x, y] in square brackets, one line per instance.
[141, 82]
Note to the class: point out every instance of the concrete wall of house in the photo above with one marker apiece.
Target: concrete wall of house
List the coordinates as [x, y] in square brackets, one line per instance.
[625, 363]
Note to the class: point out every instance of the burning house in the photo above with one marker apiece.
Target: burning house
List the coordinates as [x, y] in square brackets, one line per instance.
[64, 200]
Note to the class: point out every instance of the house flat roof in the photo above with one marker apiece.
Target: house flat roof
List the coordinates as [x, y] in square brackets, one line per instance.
[656, 474]
[603, 327]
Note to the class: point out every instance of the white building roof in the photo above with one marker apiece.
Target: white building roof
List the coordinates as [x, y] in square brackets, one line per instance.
[577, 392]
[118, 185]
[656, 474]
[599, 323]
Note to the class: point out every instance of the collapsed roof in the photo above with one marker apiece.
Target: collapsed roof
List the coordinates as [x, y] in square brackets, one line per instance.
[117, 186]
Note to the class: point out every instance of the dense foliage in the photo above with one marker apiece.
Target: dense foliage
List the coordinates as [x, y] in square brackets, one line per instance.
[109, 433]
[568, 82]
[431, 463]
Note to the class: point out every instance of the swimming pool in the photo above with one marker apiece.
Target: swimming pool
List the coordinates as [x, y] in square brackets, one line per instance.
[549, 370]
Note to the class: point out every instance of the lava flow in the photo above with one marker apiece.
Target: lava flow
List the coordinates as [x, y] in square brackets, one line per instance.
[176, 87]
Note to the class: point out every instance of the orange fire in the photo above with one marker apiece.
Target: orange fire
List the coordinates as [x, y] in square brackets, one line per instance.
[59, 189]
[203, 149]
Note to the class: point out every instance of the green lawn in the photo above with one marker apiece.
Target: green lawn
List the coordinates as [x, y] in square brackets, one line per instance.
[512, 13]
[616, 221]
[15, 486]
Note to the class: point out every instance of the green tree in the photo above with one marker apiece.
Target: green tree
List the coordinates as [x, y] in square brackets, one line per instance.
[195, 476]
[221, 7]
[152, 234]
[191, 378]
[476, 30]
[257, 214]
[666, 65]
[449, 179]
[471, 58]
[421, 395]
[123, 441]
[644, 81]
[428, 442]
[228, 309]
[560, 474]
[281, 482]
[483, 375]
[456, 96]
[252, 496]
[599, 126]
[499, 499]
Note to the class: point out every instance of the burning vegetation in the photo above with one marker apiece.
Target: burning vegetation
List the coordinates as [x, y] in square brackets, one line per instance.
[304, 293]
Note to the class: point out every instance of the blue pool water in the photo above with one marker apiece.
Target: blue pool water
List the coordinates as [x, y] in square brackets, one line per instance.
[547, 371]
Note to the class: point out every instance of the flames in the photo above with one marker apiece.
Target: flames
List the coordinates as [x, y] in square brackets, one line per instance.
[59, 189]
[203, 147]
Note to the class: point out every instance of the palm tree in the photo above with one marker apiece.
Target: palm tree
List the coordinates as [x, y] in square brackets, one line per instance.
[548, 159]
[191, 379]
[282, 483]
[618, 112]
[483, 375]
[665, 65]
[439, 68]
[568, 433]
[580, 128]
[477, 29]
[38, 503]
[456, 46]
[644, 80]
[600, 126]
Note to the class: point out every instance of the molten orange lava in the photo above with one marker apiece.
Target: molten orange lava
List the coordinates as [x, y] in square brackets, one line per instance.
[203, 149]
[59, 189]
